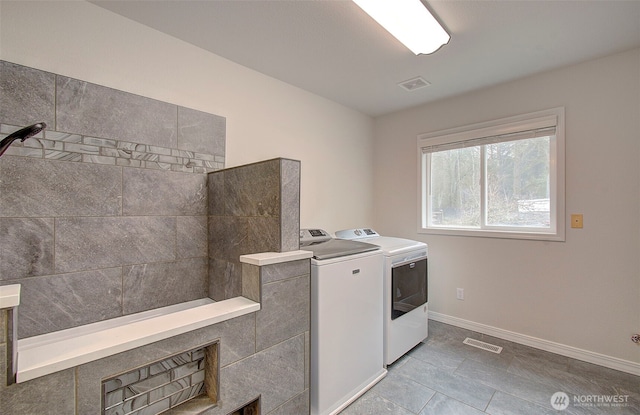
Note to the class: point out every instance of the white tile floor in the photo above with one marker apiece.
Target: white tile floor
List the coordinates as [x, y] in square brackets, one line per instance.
[442, 376]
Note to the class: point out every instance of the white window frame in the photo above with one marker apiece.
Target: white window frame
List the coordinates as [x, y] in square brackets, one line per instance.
[510, 125]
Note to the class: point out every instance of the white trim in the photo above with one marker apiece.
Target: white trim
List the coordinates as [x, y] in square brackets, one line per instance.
[549, 346]
[503, 126]
[534, 234]
[371, 383]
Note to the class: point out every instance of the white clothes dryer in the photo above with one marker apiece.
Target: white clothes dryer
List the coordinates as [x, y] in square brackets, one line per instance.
[406, 305]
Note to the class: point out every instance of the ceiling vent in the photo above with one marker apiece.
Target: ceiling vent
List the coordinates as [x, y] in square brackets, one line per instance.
[414, 83]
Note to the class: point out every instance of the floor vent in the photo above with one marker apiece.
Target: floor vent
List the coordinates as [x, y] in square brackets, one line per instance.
[482, 345]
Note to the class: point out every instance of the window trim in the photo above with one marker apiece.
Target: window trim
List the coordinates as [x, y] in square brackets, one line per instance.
[501, 126]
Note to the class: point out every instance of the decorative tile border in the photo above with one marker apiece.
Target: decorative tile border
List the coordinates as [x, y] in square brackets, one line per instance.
[160, 386]
[55, 145]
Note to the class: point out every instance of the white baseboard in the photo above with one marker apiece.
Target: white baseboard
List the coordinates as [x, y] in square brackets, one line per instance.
[561, 349]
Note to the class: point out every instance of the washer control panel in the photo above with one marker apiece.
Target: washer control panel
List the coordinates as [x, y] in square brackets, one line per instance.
[356, 233]
[313, 235]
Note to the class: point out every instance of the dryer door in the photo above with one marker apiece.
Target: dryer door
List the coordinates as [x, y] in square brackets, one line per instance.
[408, 286]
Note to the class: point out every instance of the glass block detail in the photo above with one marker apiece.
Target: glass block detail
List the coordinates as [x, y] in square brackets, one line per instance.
[163, 385]
[55, 145]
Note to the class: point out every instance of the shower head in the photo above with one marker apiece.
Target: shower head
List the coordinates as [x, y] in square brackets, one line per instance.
[22, 134]
[26, 132]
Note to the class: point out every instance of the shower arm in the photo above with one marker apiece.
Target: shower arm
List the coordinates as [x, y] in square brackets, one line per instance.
[22, 134]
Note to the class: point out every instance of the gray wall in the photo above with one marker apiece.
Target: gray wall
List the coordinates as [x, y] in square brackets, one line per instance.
[105, 213]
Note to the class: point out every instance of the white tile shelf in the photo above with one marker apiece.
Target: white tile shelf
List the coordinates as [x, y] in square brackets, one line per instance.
[48, 353]
[9, 296]
[270, 258]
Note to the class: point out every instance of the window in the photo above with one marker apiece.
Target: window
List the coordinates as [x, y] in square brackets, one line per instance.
[503, 178]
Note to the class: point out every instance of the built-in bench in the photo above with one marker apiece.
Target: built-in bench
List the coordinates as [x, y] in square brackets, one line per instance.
[51, 352]
[92, 367]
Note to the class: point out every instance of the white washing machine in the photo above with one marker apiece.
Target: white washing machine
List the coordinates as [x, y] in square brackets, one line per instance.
[346, 320]
[405, 290]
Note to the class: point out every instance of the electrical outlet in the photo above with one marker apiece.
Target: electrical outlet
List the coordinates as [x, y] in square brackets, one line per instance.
[460, 293]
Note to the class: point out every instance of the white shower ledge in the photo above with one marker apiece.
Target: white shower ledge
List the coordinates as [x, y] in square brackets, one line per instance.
[270, 258]
[48, 353]
[9, 296]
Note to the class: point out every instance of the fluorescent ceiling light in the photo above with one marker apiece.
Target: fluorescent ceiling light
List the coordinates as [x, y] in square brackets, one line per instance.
[409, 21]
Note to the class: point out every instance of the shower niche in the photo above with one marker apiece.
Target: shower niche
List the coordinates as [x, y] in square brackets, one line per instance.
[163, 385]
[252, 408]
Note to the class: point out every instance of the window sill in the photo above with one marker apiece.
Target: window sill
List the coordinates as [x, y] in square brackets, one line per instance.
[484, 233]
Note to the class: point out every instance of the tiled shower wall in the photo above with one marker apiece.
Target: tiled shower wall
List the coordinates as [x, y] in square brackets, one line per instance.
[105, 213]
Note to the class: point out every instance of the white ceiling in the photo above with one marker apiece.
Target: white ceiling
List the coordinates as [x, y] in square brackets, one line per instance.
[333, 49]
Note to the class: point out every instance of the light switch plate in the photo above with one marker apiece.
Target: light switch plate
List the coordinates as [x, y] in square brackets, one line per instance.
[576, 220]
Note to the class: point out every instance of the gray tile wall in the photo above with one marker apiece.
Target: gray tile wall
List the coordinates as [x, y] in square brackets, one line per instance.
[252, 208]
[105, 212]
[262, 354]
[285, 303]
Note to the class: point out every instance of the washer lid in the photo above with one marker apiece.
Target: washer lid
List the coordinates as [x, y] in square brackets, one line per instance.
[334, 248]
[324, 247]
[390, 245]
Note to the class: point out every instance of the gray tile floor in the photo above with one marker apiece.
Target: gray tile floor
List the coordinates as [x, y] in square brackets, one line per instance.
[443, 376]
